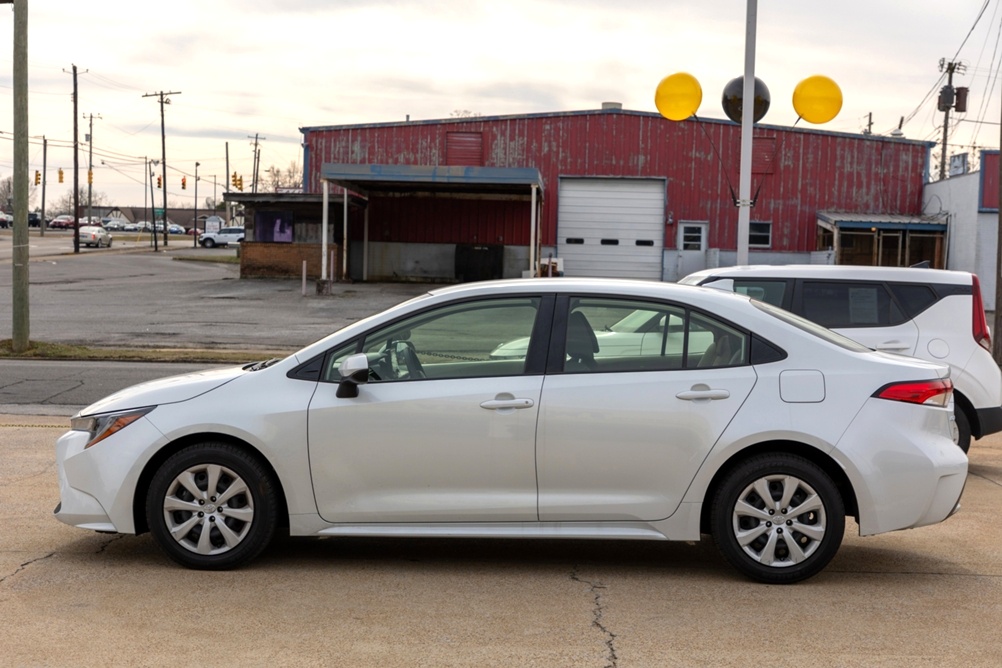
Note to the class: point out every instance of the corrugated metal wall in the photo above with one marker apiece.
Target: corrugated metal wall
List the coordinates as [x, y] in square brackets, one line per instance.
[798, 172]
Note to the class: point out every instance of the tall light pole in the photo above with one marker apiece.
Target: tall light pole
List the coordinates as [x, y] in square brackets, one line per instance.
[747, 116]
[194, 237]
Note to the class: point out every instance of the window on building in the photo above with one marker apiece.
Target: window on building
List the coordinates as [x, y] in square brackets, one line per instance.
[760, 234]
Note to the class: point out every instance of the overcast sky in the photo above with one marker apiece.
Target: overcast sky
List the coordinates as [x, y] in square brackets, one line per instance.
[269, 68]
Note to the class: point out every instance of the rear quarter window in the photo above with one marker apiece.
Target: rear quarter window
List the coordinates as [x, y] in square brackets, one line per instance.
[914, 298]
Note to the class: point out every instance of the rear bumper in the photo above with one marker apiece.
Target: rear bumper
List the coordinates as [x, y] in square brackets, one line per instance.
[989, 421]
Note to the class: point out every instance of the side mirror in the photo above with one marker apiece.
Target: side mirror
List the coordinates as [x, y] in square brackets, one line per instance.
[354, 371]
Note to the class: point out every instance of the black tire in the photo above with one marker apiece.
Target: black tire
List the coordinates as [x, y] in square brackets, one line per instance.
[768, 553]
[241, 515]
[963, 436]
[209, 243]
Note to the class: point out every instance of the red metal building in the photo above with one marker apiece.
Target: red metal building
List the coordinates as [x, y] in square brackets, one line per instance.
[589, 163]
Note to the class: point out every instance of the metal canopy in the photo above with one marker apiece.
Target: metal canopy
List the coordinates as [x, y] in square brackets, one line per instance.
[366, 179]
[876, 221]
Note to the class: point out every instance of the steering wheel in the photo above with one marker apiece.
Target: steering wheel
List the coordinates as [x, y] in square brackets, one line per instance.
[406, 357]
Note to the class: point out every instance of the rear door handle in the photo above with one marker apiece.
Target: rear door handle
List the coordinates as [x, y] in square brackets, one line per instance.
[696, 395]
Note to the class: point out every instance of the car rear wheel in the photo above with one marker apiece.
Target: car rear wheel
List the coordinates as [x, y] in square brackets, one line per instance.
[778, 518]
[212, 506]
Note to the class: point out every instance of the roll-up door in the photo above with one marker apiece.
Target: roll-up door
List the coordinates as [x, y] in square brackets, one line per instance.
[612, 228]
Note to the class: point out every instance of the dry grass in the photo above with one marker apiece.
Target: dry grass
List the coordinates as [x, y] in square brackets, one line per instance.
[58, 351]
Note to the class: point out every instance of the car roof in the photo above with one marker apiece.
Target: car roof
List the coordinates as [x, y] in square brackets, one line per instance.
[608, 286]
[839, 272]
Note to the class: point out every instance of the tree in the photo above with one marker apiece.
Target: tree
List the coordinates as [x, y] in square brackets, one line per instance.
[275, 179]
[7, 194]
[64, 205]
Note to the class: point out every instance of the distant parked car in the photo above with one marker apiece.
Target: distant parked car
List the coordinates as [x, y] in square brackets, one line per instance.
[175, 229]
[34, 220]
[92, 235]
[130, 227]
[63, 222]
[6, 220]
[115, 224]
[225, 236]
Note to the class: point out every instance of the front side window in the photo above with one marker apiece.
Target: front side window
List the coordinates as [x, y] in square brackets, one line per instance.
[465, 340]
[624, 335]
[771, 291]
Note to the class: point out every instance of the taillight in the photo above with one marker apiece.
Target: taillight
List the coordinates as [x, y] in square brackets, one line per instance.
[980, 325]
[933, 392]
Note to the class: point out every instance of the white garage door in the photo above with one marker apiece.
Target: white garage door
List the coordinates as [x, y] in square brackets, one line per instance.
[611, 228]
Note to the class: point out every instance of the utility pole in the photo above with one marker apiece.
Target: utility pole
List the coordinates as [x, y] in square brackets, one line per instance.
[19, 287]
[194, 237]
[45, 181]
[90, 168]
[869, 124]
[163, 148]
[257, 160]
[153, 204]
[949, 98]
[76, 169]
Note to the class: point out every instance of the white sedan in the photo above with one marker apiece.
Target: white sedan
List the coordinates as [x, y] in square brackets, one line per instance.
[762, 429]
[95, 236]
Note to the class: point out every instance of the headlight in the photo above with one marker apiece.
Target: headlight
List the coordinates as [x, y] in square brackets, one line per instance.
[102, 426]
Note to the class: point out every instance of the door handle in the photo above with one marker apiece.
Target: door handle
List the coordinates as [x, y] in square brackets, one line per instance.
[501, 404]
[696, 394]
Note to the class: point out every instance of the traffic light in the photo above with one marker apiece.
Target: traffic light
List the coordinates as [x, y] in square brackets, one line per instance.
[38, 177]
[233, 179]
[90, 176]
[184, 183]
[159, 181]
[240, 183]
[60, 174]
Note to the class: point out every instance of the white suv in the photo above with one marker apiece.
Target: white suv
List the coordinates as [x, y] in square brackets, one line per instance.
[224, 237]
[932, 314]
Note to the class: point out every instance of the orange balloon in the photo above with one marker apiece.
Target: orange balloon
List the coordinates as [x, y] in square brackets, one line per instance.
[678, 96]
[817, 99]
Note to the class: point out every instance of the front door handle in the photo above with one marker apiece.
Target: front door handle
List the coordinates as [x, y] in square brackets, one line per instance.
[501, 404]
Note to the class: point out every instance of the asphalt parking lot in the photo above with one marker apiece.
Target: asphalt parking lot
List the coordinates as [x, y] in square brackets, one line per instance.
[926, 597]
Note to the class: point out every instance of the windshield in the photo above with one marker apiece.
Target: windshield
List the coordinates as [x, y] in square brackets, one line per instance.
[811, 327]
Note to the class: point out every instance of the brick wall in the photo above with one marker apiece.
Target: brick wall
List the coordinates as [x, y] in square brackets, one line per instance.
[268, 260]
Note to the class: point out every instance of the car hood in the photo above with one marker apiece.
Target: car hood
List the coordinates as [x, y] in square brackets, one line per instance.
[165, 390]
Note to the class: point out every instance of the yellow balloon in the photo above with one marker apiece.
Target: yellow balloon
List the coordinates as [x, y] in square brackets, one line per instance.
[678, 96]
[817, 99]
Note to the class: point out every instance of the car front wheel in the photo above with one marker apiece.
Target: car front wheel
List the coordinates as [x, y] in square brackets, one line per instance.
[778, 518]
[208, 243]
[212, 506]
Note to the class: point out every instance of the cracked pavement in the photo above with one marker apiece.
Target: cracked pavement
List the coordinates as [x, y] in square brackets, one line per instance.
[927, 597]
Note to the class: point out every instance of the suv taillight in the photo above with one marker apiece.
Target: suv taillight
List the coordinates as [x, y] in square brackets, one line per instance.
[980, 325]
[935, 392]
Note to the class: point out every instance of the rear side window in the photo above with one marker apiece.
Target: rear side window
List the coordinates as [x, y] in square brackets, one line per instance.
[914, 298]
[840, 305]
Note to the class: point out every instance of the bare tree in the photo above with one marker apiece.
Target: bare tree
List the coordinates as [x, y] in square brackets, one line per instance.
[64, 205]
[7, 194]
[464, 113]
[275, 178]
